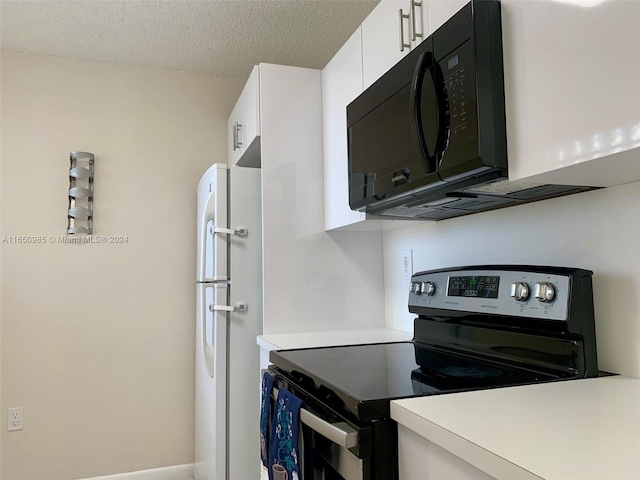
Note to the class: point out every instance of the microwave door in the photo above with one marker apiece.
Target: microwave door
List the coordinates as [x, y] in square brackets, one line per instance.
[383, 159]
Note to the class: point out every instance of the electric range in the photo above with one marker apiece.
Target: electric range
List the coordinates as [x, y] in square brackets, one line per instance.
[477, 327]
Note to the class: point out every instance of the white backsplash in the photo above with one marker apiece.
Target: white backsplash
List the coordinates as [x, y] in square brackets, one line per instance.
[597, 230]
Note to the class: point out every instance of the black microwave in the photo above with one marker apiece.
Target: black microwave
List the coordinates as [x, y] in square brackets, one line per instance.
[428, 139]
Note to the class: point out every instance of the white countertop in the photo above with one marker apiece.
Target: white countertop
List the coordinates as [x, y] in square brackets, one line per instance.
[287, 341]
[573, 430]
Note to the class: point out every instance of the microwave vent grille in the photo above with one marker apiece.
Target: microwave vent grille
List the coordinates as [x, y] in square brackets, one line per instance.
[502, 187]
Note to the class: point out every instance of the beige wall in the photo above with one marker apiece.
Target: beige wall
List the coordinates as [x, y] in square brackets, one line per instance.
[97, 339]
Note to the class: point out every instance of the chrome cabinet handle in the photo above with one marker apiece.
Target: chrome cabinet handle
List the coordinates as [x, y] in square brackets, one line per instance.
[402, 17]
[339, 433]
[414, 34]
[235, 136]
[237, 142]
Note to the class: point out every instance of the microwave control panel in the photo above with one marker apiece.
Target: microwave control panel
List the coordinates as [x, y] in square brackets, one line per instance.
[460, 96]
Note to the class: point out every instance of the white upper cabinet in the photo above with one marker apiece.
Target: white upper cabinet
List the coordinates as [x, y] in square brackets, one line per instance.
[341, 84]
[243, 127]
[571, 90]
[442, 10]
[386, 38]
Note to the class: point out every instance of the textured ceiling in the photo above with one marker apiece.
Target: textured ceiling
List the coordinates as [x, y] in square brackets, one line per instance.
[207, 36]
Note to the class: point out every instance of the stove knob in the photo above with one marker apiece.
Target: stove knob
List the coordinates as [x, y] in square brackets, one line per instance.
[416, 287]
[520, 291]
[545, 292]
[429, 288]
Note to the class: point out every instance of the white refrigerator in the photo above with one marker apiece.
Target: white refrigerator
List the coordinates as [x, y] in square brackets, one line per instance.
[228, 319]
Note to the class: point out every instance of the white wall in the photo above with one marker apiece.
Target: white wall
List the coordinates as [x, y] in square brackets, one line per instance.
[597, 230]
[98, 340]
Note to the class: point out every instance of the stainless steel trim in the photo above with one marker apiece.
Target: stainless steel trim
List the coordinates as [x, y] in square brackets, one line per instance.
[75, 230]
[339, 433]
[402, 17]
[79, 192]
[81, 155]
[79, 212]
[415, 35]
[80, 172]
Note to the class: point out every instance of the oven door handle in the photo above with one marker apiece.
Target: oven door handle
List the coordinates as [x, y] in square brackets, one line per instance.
[339, 433]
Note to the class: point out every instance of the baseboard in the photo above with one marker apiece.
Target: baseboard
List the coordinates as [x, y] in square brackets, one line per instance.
[175, 472]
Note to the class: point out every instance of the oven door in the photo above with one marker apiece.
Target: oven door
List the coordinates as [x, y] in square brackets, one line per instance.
[338, 446]
[331, 460]
[343, 451]
[326, 446]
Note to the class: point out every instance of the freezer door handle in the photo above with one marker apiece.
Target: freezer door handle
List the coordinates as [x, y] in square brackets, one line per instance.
[207, 216]
[239, 231]
[239, 307]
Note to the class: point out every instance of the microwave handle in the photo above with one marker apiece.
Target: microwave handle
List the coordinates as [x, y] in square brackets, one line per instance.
[419, 75]
[442, 100]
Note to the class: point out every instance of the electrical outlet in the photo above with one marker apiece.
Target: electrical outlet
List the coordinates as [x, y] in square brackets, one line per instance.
[14, 421]
[406, 264]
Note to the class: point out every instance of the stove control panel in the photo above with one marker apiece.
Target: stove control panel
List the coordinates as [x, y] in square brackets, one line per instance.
[520, 294]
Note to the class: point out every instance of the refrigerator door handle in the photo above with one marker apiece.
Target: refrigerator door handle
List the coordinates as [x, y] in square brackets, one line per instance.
[239, 307]
[208, 331]
[239, 231]
[208, 216]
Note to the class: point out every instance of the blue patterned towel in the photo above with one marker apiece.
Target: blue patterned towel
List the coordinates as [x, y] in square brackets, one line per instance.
[283, 447]
[265, 412]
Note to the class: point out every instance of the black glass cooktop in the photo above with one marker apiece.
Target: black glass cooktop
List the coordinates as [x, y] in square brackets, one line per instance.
[362, 379]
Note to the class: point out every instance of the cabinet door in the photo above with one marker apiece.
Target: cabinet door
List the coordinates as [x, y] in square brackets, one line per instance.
[341, 84]
[418, 458]
[244, 125]
[381, 38]
[442, 10]
[571, 95]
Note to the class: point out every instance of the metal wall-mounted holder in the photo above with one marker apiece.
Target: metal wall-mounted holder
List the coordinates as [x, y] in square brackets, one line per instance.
[80, 213]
